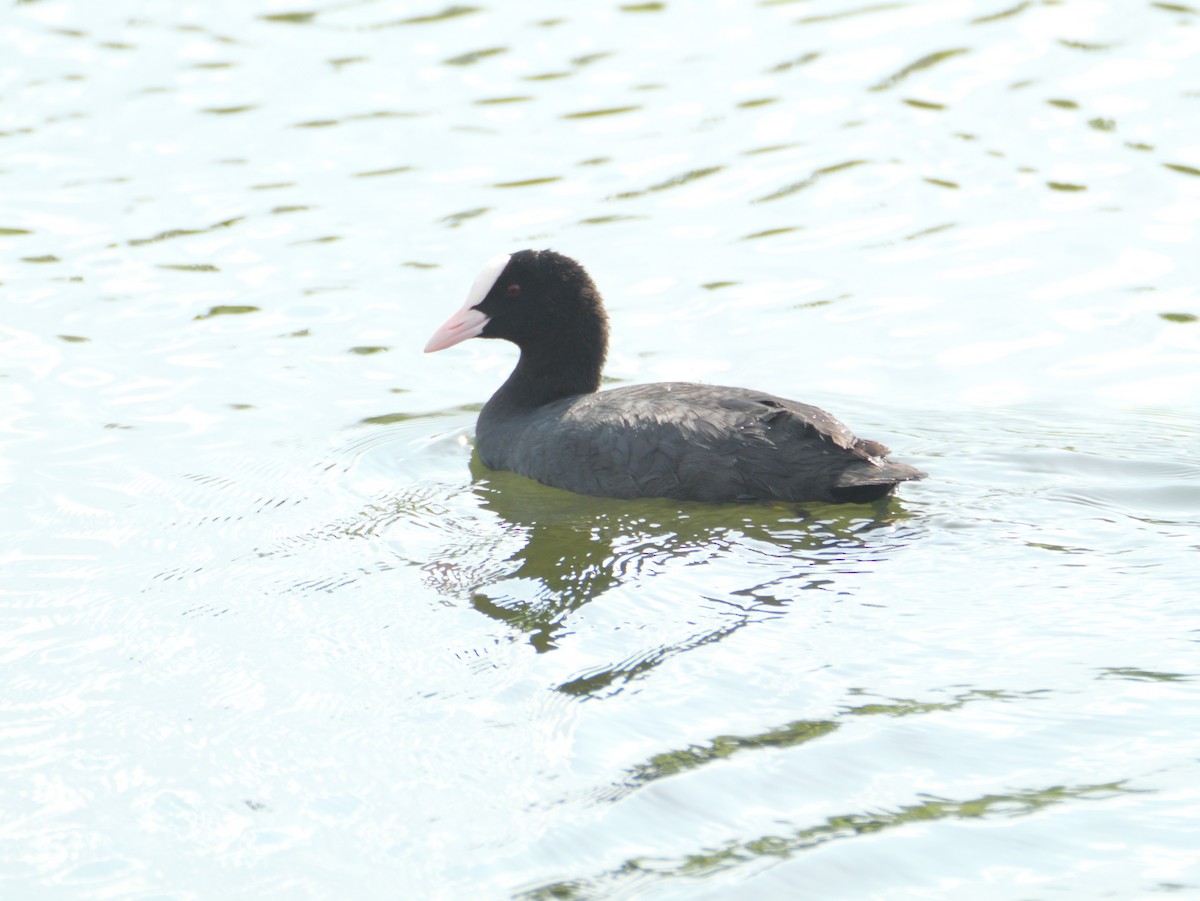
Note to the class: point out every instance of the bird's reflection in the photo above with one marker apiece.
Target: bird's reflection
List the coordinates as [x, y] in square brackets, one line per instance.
[576, 548]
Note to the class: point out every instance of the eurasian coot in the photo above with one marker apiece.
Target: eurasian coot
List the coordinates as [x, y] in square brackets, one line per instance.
[671, 439]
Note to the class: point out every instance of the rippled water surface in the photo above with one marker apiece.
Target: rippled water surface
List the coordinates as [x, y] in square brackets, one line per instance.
[268, 631]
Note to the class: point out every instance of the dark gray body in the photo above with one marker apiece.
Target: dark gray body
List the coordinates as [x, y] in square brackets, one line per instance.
[686, 441]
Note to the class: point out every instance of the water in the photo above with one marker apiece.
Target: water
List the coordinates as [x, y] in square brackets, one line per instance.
[269, 631]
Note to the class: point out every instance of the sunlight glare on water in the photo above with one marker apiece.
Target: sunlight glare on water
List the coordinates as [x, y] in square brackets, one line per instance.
[270, 629]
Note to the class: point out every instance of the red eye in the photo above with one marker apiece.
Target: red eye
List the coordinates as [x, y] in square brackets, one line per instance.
[513, 291]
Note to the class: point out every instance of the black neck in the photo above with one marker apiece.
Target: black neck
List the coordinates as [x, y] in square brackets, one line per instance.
[544, 375]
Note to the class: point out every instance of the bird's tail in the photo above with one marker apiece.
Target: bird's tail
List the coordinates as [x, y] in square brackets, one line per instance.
[871, 481]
